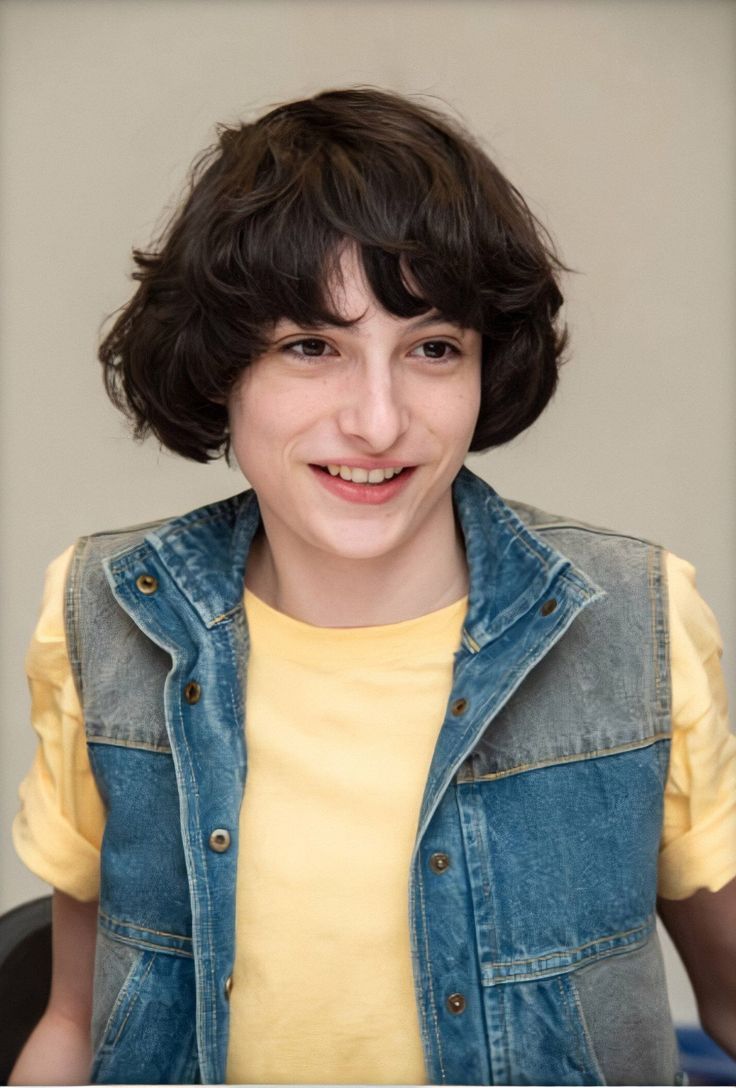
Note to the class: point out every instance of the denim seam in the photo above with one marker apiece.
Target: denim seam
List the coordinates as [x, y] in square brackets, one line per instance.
[573, 989]
[594, 530]
[143, 929]
[230, 614]
[652, 582]
[133, 1000]
[149, 946]
[72, 611]
[487, 887]
[534, 975]
[596, 753]
[115, 742]
[643, 929]
[570, 1013]
[504, 1018]
[429, 969]
[106, 1046]
[193, 795]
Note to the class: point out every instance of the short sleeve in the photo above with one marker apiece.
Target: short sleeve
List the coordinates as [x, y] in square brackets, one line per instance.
[58, 830]
[698, 846]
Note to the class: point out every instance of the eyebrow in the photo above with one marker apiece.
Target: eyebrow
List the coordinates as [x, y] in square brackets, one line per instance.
[434, 318]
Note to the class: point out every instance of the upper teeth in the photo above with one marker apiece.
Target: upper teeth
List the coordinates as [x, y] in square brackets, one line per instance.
[363, 475]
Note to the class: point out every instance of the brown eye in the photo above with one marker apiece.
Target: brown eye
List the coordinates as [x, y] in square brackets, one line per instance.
[438, 349]
[311, 346]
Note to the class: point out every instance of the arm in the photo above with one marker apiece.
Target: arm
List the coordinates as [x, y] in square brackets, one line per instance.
[703, 928]
[58, 1050]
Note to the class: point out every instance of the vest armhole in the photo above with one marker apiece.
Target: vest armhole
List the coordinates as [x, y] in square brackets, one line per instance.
[71, 613]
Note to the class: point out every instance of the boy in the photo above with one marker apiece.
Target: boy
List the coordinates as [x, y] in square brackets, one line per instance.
[478, 740]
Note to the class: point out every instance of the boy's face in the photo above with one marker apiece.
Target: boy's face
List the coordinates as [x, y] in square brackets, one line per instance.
[387, 394]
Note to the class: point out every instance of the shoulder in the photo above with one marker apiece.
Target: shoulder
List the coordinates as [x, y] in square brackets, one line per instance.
[91, 550]
[563, 525]
[611, 557]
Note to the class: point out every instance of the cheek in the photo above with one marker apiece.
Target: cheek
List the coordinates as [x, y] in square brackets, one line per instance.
[457, 412]
[266, 422]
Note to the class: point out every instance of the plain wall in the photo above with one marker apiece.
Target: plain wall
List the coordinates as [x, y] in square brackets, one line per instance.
[615, 119]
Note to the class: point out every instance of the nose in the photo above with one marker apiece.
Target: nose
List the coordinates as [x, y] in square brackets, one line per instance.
[375, 409]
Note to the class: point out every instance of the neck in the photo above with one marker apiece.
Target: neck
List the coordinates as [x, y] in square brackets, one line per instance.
[331, 591]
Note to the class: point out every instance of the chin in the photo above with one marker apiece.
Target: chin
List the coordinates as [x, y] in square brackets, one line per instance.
[361, 547]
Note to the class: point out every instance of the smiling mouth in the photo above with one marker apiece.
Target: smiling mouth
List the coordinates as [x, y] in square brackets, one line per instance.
[361, 475]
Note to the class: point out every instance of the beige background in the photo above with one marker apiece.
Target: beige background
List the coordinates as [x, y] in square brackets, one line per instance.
[616, 119]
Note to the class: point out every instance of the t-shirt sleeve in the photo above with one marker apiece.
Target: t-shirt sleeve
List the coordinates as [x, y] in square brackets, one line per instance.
[58, 830]
[698, 846]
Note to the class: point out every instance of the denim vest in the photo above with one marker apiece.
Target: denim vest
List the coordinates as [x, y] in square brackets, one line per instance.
[533, 880]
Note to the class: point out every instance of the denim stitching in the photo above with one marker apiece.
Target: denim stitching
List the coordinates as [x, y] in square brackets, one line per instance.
[532, 975]
[594, 530]
[596, 753]
[653, 633]
[150, 946]
[72, 611]
[415, 962]
[195, 847]
[433, 1000]
[116, 742]
[645, 928]
[144, 929]
[134, 1000]
[565, 1000]
[484, 858]
[573, 989]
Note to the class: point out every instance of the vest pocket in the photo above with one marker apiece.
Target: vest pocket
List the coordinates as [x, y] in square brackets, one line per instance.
[141, 967]
[143, 1027]
[623, 1004]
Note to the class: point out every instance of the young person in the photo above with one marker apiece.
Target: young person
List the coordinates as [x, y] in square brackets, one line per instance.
[391, 772]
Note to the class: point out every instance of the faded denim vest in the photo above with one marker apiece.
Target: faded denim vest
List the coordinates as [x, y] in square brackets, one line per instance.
[533, 880]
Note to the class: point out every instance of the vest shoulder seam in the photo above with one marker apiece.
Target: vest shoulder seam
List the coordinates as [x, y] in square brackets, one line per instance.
[538, 521]
[594, 530]
[575, 757]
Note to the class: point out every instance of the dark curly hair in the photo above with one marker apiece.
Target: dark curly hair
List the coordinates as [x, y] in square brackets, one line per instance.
[269, 208]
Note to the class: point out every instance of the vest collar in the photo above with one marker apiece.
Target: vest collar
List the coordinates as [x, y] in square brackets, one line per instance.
[511, 568]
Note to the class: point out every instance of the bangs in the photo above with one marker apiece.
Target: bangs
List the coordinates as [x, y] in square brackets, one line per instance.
[408, 221]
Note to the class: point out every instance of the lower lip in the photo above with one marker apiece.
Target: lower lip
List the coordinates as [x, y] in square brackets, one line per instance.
[367, 494]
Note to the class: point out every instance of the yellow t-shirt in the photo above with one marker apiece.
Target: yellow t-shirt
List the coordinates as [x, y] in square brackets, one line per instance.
[295, 1010]
[322, 979]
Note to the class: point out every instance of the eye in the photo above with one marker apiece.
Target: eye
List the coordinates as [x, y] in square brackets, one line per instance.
[312, 347]
[440, 350]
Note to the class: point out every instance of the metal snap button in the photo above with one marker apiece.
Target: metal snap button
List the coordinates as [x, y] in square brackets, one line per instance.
[455, 1004]
[147, 584]
[459, 707]
[228, 986]
[192, 692]
[439, 863]
[220, 840]
[549, 606]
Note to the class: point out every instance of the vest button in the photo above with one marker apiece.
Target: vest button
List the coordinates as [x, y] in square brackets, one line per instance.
[439, 863]
[455, 1004]
[549, 606]
[220, 840]
[192, 692]
[459, 707]
[147, 584]
[228, 986]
